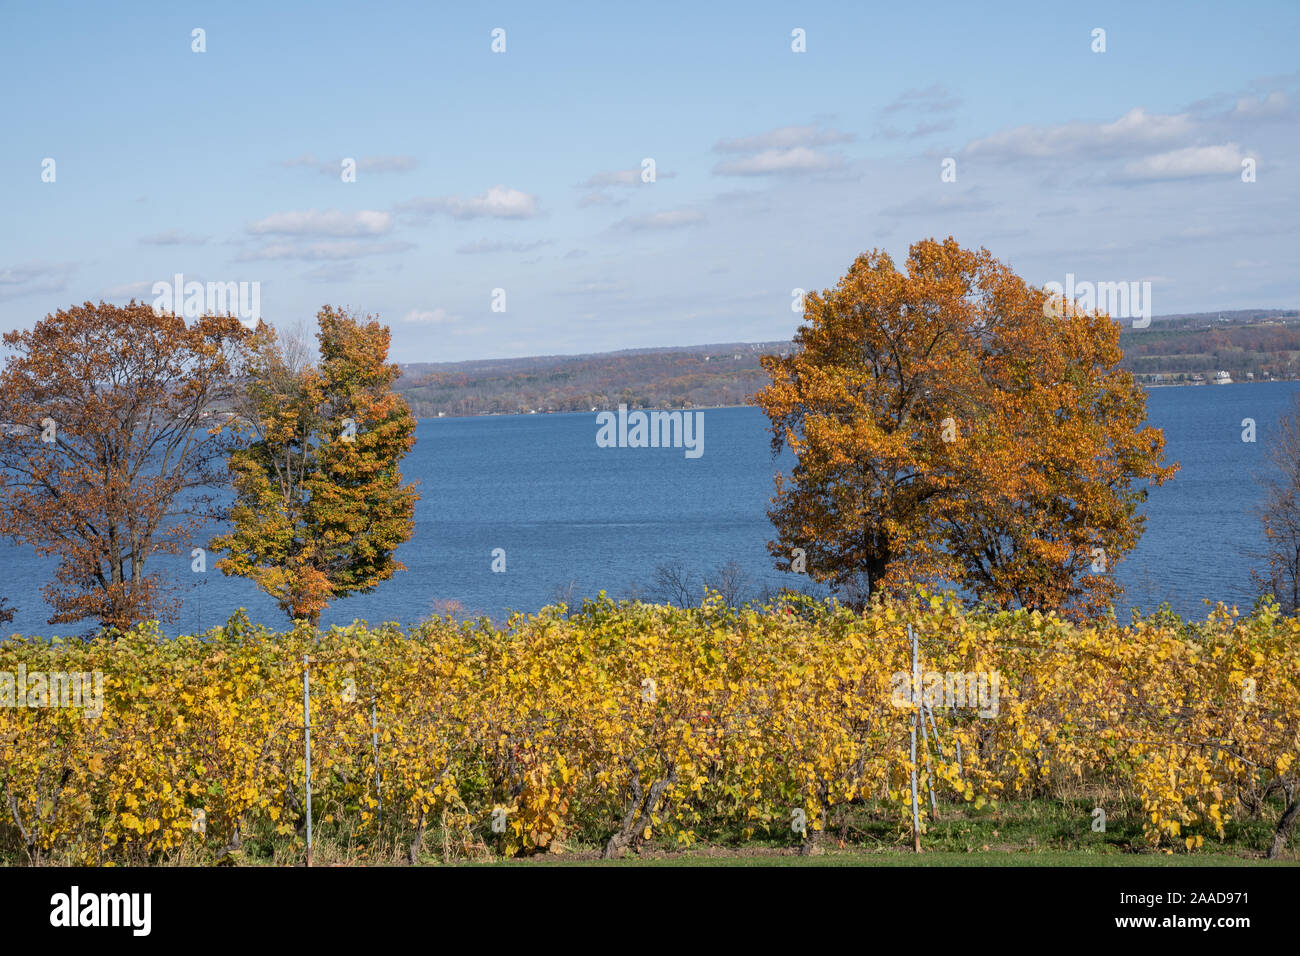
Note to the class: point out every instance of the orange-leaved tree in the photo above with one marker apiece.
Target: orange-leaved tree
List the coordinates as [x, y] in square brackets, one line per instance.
[111, 440]
[1058, 460]
[951, 423]
[320, 504]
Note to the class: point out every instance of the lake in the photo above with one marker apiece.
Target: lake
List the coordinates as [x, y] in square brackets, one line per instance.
[573, 518]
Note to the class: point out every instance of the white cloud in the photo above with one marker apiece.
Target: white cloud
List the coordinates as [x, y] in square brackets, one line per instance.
[1134, 132]
[34, 277]
[438, 316]
[1274, 104]
[1187, 163]
[329, 222]
[614, 177]
[781, 151]
[493, 245]
[932, 99]
[798, 159]
[919, 131]
[499, 202]
[783, 137]
[326, 250]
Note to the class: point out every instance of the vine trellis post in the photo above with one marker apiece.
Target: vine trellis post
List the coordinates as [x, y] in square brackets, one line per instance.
[916, 716]
[374, 731]
[306, 744]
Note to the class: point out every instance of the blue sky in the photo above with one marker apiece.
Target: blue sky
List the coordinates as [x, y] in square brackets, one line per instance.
[521, 170]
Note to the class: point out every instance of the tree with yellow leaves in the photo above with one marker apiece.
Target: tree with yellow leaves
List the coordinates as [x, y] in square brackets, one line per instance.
[952, 423]
[320, 505]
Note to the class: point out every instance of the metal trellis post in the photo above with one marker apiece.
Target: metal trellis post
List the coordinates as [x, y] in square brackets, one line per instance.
[374, 730]
[306, 740]
[916, 701]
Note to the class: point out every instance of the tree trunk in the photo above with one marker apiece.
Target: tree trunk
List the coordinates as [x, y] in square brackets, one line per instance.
[235, 844]
[876, 567]
[812, 842]
[1284, 825]
[419, 839]
[29, 841]
[638, 814]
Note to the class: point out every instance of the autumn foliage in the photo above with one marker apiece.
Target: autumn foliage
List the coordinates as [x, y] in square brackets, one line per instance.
[953, 424]
[110, 453]
[624, 723]
[320, 504]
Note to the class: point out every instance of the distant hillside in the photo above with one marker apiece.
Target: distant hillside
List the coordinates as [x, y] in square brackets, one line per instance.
[1250, 345]
[1263, 343]
[692, 376]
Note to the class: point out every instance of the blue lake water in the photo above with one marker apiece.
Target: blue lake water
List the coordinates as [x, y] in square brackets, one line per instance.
[577, 518]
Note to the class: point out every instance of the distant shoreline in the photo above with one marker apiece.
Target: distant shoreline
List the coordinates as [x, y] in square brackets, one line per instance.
[683, 408]
[707, 408]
